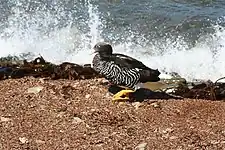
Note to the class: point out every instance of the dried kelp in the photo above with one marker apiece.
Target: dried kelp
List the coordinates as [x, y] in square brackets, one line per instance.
[11, 67]
[204, 90]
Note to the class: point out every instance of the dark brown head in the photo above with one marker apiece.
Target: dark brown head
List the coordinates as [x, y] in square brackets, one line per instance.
[103, 48]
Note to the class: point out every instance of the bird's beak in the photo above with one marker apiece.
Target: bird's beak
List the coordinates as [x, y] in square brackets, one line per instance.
[93, 52]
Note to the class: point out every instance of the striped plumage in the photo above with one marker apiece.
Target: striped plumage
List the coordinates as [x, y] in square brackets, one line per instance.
[120, 69]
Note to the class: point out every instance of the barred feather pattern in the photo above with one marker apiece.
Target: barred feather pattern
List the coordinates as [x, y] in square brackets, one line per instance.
[116, 74]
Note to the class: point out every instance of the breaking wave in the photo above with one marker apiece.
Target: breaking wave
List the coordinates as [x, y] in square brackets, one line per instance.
[60, 36]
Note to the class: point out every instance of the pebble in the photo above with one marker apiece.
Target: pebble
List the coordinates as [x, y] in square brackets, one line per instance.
[156, 105]
[76, 120]
[23, 140]
[104, 82]
[88, 96]
[167, 130]
[107, 95]
[93, 87]
[4, 119]
[60, 114]
[93, 110]
[214, 142]
[191, 127]
[137, 104]
[42, 80]
[35, 90]
[141, 146]
[173, 137]
[40, 142]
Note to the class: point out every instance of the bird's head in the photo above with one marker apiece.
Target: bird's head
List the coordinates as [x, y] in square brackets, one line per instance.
[103, 48]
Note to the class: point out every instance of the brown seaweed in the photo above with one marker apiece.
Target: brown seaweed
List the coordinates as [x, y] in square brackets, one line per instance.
[205, 90]
[40, 68]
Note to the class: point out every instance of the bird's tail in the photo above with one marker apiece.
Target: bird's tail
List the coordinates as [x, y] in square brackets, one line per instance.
[149, 75]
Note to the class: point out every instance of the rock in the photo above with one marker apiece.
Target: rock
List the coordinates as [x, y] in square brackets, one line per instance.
[173, 137]
[42, 80]
[35, 90]
[214, 142]
[103, 82]
[60, 114]
[107, 95]
[167, 130]
[137, 104]
[141, 146]
[93, 87]
[155, 104]
[4, 119]
[77, 120]
[87, 96]
[93, 110]
[23, 140]
[40, 142]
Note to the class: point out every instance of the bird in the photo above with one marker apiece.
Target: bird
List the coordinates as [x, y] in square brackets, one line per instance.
[121, 70]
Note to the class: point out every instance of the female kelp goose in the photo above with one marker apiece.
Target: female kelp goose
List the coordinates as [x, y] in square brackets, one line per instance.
[122, 70]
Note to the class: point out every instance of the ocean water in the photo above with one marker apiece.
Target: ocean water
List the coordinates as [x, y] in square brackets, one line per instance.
[185, 36]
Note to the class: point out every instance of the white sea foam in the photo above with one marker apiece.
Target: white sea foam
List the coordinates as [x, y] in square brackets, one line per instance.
[25, 33]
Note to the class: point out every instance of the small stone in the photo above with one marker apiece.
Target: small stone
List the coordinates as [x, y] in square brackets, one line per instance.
[93, 87]
[165, 135]
[167, 130]
[156, 105]
[93, 110]
[60, 114]
[173, 137]
[103, 81]
[214, 142]
[65, 145]
[179, 148]
[23, 140]
[40, 142]
[32, 105]
[107, 95]
[87, 96]
[75, 85]
[141, 146]
[4, 119]
[42, 80]
[76, 120]
[137, 104]
[121, 103]
[35, 90]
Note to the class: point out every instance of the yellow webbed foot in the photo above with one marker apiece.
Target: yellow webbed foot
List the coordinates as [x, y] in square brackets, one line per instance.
[123, 95]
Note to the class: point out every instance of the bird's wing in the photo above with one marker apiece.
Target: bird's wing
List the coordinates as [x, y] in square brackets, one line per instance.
[126, 61]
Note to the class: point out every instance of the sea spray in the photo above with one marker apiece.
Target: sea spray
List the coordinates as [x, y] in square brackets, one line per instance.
[61, 35]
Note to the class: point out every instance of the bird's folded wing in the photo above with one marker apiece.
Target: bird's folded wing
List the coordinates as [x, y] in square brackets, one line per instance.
[126, 61]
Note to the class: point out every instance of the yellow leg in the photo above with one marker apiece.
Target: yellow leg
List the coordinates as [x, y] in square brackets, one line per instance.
[123, 95]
